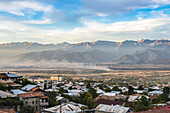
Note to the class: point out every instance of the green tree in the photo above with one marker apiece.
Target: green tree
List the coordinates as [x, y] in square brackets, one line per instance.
[144, 101]
[166, 90]
[130, 90]
[52, 99]
[108, 89]
[25, 82]
[45, 86]
[115, 88]
[61, 91]
[140, 88]
[89, 102]
[93, 92]
[27, 109]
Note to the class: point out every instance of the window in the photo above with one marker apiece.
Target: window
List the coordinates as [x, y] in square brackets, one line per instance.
[26, 102]
[32, 102]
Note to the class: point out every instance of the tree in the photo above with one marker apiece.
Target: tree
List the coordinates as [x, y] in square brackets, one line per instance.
[166, 90]
[52, 99]
[115, 88]
[140, 88]
[25, 82]
[130, 90]
[144, 101]
[45, 86]
[89, 102]
[70, 88]
[88, 85]
[61, 91]
[108, 89]
[27, 109]
[93, 92]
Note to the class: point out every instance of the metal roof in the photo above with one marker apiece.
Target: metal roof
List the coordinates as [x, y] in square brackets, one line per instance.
[70, 107]
[111, 108]
[28, 87]
[12, 75]
[17, 91]
[155, 92]
[4, 94]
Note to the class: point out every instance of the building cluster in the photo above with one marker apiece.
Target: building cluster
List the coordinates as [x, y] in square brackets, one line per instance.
[37, 96]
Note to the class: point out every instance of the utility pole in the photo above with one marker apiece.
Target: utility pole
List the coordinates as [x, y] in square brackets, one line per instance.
[61, 107]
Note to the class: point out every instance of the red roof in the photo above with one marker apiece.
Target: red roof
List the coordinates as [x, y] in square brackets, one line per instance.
[3, 75]
[7, 111]
[108, 102]
[34, 94]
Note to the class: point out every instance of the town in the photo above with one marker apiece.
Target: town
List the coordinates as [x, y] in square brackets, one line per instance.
[58, 94]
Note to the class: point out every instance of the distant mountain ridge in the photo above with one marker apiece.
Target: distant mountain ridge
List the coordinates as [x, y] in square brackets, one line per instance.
[129, 51]
[146, 56]
[142, 42]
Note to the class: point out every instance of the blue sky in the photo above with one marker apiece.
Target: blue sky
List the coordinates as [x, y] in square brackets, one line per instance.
[56, 21]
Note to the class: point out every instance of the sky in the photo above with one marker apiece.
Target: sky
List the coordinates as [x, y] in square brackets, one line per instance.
[57, 21]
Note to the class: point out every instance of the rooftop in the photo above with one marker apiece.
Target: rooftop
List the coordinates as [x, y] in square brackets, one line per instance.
[111, 108]
[4, 94]
[28, 87]
[17, 91]
[34, 94]
[70, 107]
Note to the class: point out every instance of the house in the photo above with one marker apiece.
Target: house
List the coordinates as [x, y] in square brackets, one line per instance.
[31, 88]
[70, 107]
[135, 97]
[9, 82]
[17, 91]
[124, 89]
[116, 92]
[109, 94]
[155, 93]
[13, 77]
[100, 91]
[35, 99]
[107, 102]
[102, 108]
[4, 94]
[62, 99]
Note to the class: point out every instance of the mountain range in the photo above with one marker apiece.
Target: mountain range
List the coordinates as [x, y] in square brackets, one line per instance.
[129, 51]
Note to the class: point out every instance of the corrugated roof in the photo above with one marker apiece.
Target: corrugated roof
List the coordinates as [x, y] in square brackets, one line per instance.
[11, 75]
[155, 92]
[70, 107]
[17, 91]
[111, 108]
[28, 87]
[4, 94]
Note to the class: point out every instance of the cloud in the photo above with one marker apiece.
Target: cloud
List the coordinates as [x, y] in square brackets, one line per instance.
[156, 28]
[18, 7]
[45, 21]
[121, 6]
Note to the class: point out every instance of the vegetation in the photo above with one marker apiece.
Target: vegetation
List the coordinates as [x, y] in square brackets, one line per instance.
[62, 90]
[27, 109]
[11, 102]
[4, 88]
[52, 99]
[25, 82]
